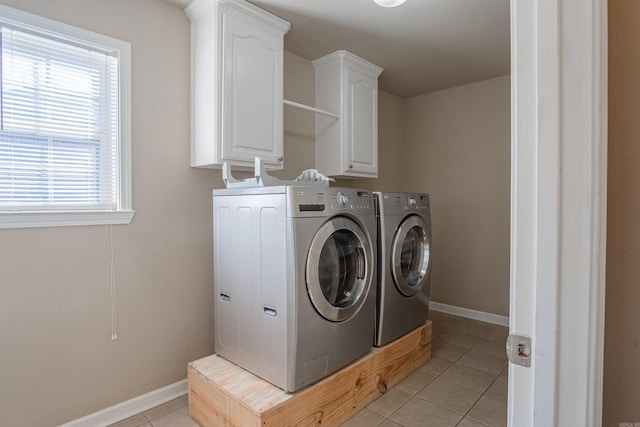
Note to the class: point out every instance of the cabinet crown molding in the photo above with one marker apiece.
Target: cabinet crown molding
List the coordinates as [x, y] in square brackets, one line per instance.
[352, 60]
[198, 7]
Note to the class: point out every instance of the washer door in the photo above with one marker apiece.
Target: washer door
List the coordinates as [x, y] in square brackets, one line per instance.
[410, 259]
[339, 269]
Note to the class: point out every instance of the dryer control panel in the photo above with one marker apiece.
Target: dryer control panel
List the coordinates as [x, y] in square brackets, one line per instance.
[307, 201]
[414, 202]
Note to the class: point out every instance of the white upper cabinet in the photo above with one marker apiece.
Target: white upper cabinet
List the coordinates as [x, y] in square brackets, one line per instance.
[237, 54]
[348, 85]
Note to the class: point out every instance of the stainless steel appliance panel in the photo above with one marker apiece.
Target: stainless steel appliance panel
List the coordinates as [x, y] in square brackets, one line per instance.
[404, 263]
[266, 319]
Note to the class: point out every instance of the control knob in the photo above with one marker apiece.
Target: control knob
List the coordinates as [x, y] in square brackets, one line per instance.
[342, 198]
[413, 202]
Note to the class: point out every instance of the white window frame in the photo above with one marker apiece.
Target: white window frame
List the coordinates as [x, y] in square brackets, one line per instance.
[124, 212]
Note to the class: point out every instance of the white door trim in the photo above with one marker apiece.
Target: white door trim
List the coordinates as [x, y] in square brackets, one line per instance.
[558, 218]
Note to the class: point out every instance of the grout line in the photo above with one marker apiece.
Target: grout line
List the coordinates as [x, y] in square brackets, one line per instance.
[444, 331]
[484, 393]
[484, 337]
[474, 420]
[440, 374]
[481, 394]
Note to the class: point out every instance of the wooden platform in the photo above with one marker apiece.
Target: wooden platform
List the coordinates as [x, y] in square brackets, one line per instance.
[223, 394]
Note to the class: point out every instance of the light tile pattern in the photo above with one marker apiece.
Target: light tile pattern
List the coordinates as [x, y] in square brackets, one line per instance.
[464, 385]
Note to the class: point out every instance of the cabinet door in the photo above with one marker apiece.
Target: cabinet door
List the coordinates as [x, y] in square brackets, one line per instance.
[362, 125]
[252, 69]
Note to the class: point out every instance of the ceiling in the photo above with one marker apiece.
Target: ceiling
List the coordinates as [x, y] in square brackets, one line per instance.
[422, 45]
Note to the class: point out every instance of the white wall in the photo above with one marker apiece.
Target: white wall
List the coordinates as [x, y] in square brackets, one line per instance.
[457, 149]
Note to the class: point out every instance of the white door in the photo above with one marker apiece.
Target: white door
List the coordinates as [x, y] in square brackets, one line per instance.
[558, 209]
[362, 126]
[252, 68]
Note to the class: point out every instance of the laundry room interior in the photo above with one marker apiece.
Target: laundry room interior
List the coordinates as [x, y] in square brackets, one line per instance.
[80, 345]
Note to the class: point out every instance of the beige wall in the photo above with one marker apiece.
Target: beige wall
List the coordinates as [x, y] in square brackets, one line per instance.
[299, 125]
[55, 322]
[55, 311]
[622, 316]
[453, 144]
[57, 362]
[457, 149]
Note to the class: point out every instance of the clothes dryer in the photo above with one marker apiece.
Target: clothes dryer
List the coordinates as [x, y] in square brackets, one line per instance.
[294, 280]
[404, 263]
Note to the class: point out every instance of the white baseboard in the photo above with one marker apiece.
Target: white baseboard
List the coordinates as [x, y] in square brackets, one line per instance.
[134, 406]
[470, 314]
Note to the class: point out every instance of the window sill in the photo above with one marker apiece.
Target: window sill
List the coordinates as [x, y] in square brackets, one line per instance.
[61, 219]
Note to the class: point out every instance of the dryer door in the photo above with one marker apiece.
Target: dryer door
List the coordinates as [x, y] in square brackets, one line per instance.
[410, 261]
[339, 269]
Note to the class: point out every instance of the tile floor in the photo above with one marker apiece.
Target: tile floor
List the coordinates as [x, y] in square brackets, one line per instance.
[464, 385]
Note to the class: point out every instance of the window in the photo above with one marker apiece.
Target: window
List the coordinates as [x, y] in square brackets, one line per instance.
[64, 125]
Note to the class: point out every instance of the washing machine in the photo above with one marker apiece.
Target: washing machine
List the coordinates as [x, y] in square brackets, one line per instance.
[294, 280]
[404, 263]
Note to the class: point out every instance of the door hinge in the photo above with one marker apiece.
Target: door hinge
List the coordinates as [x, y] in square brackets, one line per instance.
[519, 350]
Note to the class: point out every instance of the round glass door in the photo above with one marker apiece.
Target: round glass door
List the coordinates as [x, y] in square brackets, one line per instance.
[339, 269]
[410, 259]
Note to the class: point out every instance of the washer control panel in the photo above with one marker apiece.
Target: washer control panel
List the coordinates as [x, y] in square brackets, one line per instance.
[342, 198]
[330, 201]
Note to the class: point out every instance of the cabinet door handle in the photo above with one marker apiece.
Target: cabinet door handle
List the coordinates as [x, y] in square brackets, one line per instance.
[350, 166]
[280, 159]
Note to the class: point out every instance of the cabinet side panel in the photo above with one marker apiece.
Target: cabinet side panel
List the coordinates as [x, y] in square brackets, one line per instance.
[204, 87]
[329, 158]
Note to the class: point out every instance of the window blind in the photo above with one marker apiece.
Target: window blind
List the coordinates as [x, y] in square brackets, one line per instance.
[58, 123]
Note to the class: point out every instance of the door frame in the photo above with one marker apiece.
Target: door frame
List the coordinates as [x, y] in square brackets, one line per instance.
[558, 209]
